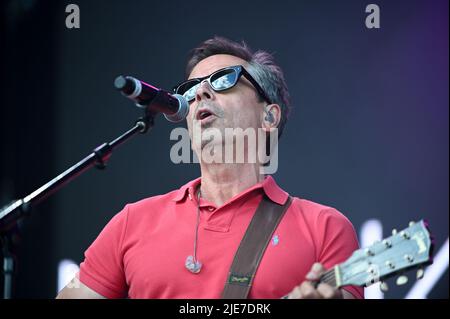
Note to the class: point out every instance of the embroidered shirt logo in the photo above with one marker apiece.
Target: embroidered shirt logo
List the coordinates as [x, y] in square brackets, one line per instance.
[275, 240]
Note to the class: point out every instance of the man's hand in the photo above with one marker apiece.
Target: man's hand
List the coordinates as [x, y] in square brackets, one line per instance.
[323, 291]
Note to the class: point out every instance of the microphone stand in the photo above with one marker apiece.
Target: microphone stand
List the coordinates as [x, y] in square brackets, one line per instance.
[11, 214]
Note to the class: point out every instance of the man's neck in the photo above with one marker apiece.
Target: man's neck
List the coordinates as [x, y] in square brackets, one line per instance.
[221, 182]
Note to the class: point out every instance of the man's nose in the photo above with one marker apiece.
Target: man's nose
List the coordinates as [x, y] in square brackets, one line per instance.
[204, 92]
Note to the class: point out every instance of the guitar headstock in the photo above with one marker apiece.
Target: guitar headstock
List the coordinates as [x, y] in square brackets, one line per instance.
[404, 250]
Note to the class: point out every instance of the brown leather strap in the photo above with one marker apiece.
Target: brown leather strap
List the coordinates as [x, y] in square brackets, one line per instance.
[251, 249]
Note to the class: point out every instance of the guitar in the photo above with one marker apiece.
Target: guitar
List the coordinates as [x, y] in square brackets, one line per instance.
[405, 250]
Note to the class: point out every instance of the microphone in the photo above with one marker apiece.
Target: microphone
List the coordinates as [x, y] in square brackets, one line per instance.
[174, 106]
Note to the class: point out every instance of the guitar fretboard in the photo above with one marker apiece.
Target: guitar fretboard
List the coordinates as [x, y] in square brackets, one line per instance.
[329, 277]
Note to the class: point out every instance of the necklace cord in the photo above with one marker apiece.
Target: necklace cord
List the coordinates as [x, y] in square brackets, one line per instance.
[198, 223]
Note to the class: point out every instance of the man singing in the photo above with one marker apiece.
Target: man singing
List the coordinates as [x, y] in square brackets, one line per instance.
[182, 244]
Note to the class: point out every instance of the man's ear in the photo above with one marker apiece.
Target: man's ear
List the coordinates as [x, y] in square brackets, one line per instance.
[271, 116]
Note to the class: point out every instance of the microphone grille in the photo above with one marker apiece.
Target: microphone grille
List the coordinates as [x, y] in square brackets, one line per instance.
[120, 82]
[183, 110]
[124, 84]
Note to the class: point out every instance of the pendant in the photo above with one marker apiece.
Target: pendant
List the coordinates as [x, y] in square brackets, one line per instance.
[193, 266]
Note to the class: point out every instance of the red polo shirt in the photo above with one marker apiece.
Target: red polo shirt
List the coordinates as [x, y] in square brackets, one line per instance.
[142, 251]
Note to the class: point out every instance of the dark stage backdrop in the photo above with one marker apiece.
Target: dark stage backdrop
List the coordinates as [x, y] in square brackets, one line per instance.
[368, 133]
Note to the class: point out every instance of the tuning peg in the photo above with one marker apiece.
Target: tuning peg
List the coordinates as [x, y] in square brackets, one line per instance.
[420, 273]
[405, 234]
[411, 223]
[394, 231]
[368, 252]
[401, 280]
[390, 264]
[387, 243]
[384, 286]
[409, 258]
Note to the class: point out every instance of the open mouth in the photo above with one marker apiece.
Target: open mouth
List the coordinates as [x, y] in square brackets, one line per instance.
[203, 114]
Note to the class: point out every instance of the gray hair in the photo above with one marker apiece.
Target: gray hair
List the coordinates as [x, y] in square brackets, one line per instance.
[262, 67]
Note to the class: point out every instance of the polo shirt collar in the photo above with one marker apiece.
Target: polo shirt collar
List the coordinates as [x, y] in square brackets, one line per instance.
[273, 191]
[270, 187]
[187, 189]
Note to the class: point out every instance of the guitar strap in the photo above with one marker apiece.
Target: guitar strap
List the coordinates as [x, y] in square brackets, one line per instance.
[251, 249]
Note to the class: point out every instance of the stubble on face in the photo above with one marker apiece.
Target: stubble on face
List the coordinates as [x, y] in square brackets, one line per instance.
[237, 108]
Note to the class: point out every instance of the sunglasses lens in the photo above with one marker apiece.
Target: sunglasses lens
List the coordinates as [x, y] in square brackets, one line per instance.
[220, 81]
[188, 89]
[224, 79]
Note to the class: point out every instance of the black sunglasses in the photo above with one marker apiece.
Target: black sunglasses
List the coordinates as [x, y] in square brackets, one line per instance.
[220, 80]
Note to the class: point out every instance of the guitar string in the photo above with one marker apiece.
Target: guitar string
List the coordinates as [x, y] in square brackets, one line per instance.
[328, 273]
[329, 277]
